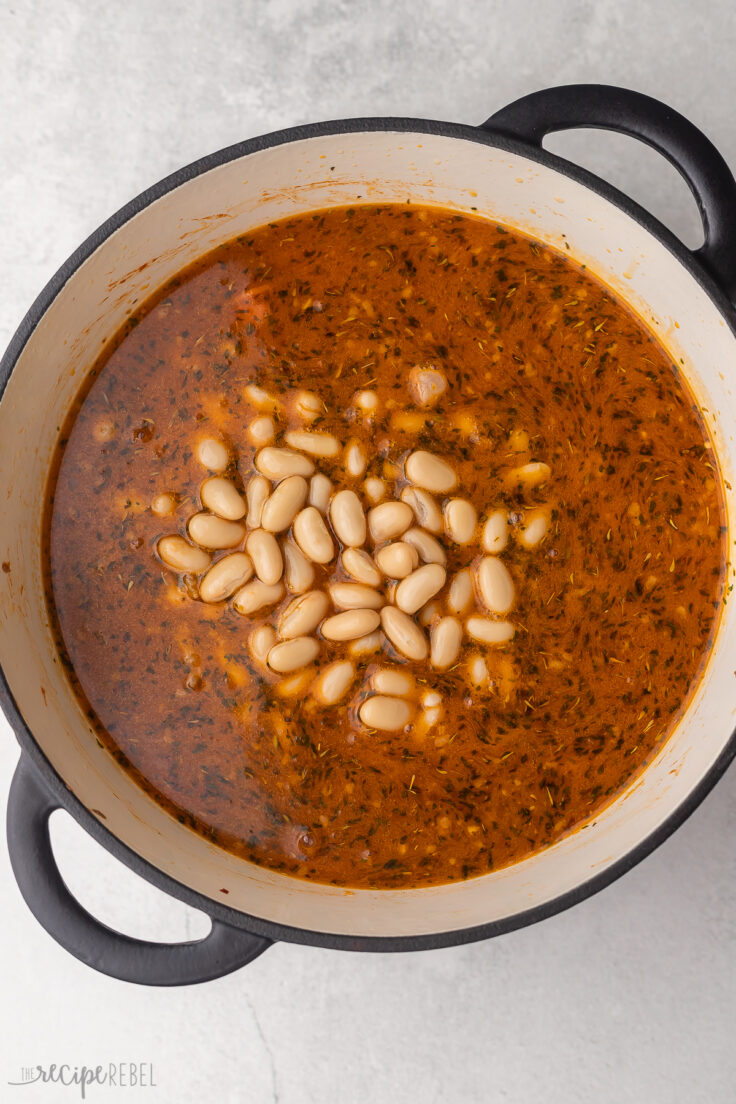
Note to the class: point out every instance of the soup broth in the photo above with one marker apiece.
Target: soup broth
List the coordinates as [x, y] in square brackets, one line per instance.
[384, 546]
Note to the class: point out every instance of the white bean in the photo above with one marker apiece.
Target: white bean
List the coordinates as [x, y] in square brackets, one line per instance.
[263, 549]
[355, 461]
[277, 463]
[530, 475]
[445, 640]
[534, 528]
[431, 699]
[256, 595]
[495, 532]
[374, 489]
[298, 570]
[389, 520]
[309, 406]
[293, 654]
[296, 685]
[225, 577]
[495, 585]
[180, 555]
[426, 510]
[430, 472]
[367, 401]
[164, 505]
[333, 682]
[404, 634]
[478, 671]
[220, 497]
[390, 680]
[427, 385]
[310, 533]
[256, 493]
[280, 509]
[461, 519]
[397, 560]
[408, 421]
[519, 440]
[460, 593]
[488, 631]
[320, 492]
[316, 444]
[350, 625]
[429, 717]
[372, 642]
[259, 398]
[355, 596]
[428, 614]
[261, 641]
[303, 614]
[429, 549]
[362, 568]
[104, 430]
[419, 587]
[214, 532]
[348, 519]
[465, 423]
[386, 714]
[212, 454]
[262, 431]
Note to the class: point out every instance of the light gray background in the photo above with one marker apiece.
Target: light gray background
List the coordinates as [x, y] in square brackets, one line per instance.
[626, 998]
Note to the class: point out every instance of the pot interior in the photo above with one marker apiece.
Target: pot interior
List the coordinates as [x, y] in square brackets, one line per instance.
[146, 250]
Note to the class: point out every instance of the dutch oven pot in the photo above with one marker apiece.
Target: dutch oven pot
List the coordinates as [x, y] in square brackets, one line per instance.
[500, 171]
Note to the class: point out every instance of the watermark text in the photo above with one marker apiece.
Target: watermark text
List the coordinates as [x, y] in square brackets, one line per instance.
[119, 1075]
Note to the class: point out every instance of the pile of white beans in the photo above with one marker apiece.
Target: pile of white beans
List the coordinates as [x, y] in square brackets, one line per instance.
[363, 565]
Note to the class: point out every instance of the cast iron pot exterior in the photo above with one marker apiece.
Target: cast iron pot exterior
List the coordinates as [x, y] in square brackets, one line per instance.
[38, 788]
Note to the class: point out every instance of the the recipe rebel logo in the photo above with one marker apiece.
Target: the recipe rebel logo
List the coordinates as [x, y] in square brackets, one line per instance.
[116, 1075]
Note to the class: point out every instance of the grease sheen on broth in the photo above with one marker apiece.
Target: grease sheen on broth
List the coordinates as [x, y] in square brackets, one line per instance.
[570, 508]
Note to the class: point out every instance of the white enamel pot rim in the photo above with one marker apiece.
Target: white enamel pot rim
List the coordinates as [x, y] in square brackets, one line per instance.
[509, 143]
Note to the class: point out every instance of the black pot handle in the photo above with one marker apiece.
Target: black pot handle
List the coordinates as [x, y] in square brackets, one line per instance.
[223, 950]
[687, 148]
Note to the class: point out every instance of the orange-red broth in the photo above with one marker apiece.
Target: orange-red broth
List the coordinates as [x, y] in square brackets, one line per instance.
[614, 610]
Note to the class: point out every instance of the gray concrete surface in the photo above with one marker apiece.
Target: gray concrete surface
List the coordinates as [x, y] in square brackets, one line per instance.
[626, 998]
